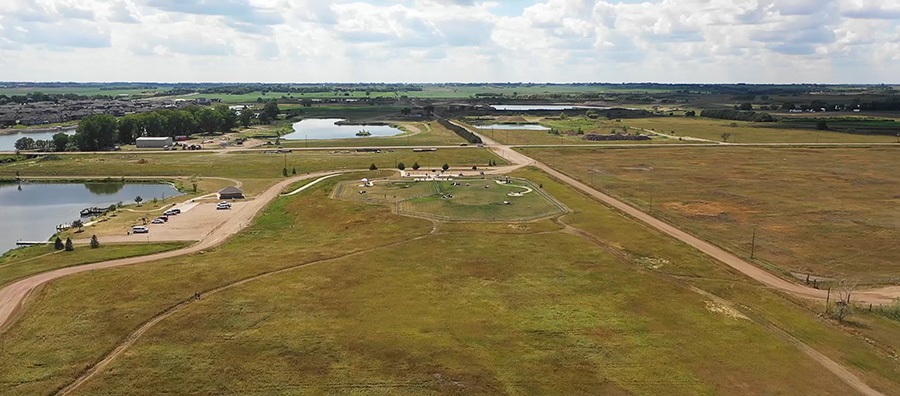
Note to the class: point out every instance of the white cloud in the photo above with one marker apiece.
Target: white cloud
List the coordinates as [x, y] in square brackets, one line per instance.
[451, 40]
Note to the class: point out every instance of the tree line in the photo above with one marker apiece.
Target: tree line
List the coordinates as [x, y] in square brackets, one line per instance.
[737, 115]
[104, 132]
[462, 132]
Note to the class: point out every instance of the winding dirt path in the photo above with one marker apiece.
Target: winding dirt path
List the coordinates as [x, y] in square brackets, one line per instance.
[135, 335]
[14, 295]
[881, 296]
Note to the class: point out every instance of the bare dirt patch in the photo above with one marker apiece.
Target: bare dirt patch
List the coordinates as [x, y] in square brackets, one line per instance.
[191, 225]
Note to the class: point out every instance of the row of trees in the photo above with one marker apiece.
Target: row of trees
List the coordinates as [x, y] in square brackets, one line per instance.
[737, 115]
[59, 142]
[462, 132]
[103, 132]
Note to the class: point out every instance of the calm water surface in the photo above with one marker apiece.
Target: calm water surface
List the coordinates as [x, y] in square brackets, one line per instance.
[31, 211]
[325, 128]
[8, 142]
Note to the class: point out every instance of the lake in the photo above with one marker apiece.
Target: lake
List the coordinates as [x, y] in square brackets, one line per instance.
[8, 142]
[325, 128]
[547, 107]
[33, 211]
[519, 127]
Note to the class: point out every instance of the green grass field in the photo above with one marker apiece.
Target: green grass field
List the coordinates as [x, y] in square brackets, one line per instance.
[23, 262]
[472, 308]
[748, 132]
[465, 199]
[829, 212]
[247, 166]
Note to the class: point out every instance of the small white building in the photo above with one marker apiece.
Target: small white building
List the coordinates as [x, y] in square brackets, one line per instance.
[153, 142]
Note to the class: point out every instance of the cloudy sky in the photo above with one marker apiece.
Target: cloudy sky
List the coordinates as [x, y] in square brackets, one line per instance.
[825, 41]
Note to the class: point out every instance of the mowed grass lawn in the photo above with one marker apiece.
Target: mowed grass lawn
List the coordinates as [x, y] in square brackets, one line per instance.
[748, 132]
[829, 212]
[473, 308]
[23, 262]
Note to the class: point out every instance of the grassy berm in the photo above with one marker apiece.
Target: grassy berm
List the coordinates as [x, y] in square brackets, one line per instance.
[518, 308]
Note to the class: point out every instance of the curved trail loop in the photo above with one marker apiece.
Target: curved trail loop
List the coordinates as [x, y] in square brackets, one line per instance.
[13, 295]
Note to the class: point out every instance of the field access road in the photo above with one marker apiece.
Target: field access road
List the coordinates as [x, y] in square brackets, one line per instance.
[886, 295]
[13, 296]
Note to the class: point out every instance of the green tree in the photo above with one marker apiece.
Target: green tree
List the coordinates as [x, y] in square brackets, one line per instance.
[725, 136]
[60, 141]
[95, 243]
[208, 120]
[246, 117]
[821, 125]
[96, 132]
[745, 106]
[24, 143]
[284, 172]
[445, 167]
[416, 166]
[154, 124]
[373, 167]
[271, 110]
[401, 166]
[138, 199]
[69, 245]
[181, 122]
[58, 244]
[227, 118]
[294, 170]
[129, 128]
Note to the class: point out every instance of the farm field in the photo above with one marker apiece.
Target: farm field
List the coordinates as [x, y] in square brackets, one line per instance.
[830, 213]
[396, 317]
[23, 262]
[748, 132]
[415, 134]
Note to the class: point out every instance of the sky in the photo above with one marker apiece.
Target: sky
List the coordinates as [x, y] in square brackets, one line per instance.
[669, 41]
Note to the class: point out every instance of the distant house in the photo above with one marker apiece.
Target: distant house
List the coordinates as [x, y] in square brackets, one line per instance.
[231, 193]
[153, 142]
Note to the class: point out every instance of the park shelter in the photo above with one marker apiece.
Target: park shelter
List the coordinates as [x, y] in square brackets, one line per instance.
[231, 193]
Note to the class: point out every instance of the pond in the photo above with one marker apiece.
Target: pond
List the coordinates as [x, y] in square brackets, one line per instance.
[8, 142]
[545, 107]
[31, 211]
[327, 128]
[518, 127]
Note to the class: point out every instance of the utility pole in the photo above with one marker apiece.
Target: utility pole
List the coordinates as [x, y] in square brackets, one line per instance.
[651, 203]
[753, 243]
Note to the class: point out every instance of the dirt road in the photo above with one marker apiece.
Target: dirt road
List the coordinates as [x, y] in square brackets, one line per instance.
[880, 296]
[13, 296]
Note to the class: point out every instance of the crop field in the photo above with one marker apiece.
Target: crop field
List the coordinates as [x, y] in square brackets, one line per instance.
[399, 305]
[414, 134]
[748, 132]
[23, 262]
[464, 199]
[831, 213]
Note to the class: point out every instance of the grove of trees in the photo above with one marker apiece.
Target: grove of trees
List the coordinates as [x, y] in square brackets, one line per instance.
[104, 132]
